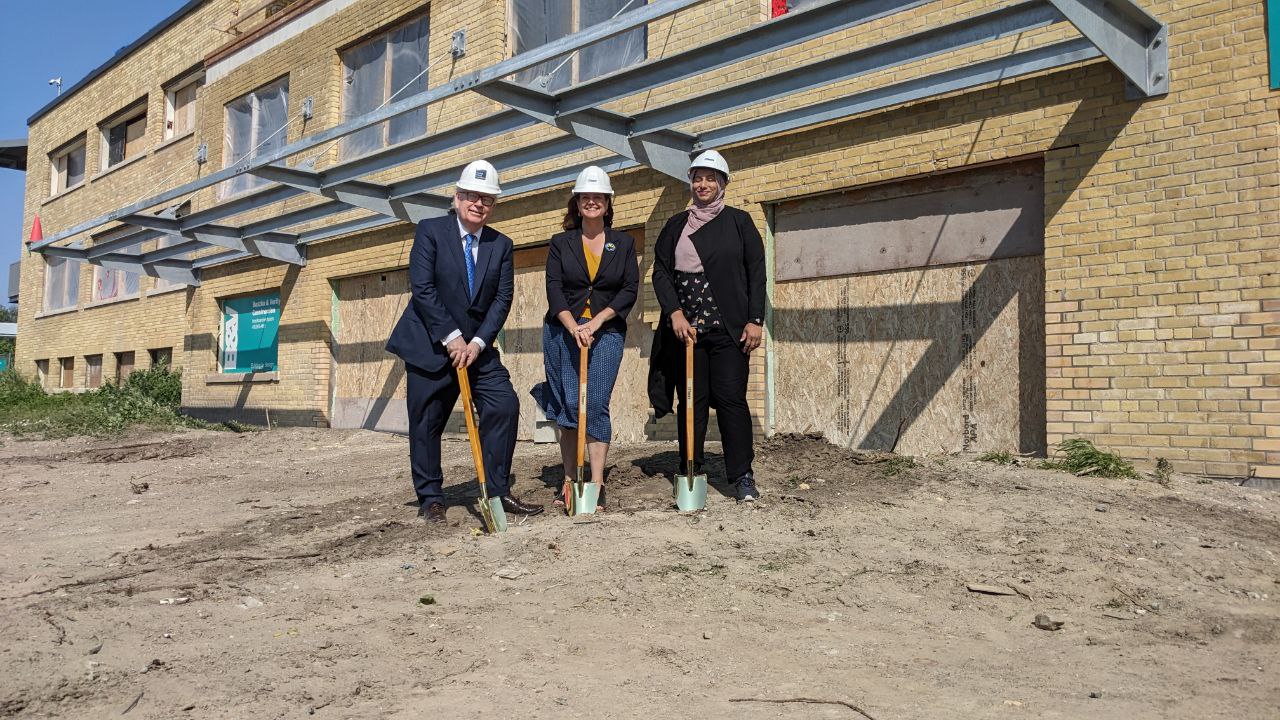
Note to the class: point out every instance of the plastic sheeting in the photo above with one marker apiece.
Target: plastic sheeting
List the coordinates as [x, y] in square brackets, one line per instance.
[255, 126]
[61, 283]
[392, 65]
[538, 22]
[114, 284]
[165, 241]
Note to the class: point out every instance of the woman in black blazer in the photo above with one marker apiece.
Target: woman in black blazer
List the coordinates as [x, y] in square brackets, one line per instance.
[709, 276]
[592, 281]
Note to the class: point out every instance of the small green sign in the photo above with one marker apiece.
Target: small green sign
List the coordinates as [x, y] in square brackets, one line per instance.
[4, 363]
[250, 333]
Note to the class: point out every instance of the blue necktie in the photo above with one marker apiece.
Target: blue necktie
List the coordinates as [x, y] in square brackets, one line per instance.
[471, 264]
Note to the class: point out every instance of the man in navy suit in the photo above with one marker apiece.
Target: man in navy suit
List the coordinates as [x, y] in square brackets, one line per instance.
[462, 279]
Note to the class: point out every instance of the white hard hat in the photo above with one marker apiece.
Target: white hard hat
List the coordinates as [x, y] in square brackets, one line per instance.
[480, 176]
[710, 159]
[593, 180]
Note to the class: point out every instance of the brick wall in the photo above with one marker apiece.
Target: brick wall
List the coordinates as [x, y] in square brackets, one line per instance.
[1162, 309]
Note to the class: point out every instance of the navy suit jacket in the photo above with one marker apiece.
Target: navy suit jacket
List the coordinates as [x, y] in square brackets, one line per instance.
[440, 303]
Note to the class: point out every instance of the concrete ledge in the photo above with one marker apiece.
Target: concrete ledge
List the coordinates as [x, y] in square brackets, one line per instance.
[236, 378]
[280, 417]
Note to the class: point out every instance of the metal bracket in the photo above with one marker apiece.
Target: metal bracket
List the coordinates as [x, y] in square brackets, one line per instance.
[358, 193]
[459, 44]
[1134, 41]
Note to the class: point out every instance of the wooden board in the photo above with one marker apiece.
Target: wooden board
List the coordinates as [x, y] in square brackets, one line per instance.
[973, 215]
[937, 359]
[368, 381]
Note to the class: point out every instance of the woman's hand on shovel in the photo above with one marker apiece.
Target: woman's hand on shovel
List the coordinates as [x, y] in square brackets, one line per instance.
[681, 327]
[585, 334]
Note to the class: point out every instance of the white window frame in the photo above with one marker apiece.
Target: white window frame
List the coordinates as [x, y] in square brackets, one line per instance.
[125, 117]
[229, 188]
[58, 166]
[193, 82]
[575, 25]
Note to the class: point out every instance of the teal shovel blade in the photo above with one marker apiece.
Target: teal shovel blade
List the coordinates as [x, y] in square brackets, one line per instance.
[585, 497]
[691, 499]
[499, 515]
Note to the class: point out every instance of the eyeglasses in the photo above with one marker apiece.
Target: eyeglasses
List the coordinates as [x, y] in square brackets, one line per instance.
[485, 200]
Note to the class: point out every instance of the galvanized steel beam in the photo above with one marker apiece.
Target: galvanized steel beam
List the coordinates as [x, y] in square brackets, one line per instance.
[1134, 41]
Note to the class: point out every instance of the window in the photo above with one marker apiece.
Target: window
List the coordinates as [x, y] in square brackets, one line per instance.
[92, 371]
[180, 107]
[393, 64]
[113, 284]
[538, 22]
[61, 283]
[124, 366]
[42, 372]
[250, 333]
[255, 125]
[66, 167]
[165, 241]
[123, 137]
[67, 372]
[161, 357]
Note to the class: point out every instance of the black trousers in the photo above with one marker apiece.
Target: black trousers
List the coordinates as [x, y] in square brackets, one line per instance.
[720, 371]
[431, 399]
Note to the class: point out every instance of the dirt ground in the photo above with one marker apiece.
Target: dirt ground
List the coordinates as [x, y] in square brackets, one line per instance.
[284, 574]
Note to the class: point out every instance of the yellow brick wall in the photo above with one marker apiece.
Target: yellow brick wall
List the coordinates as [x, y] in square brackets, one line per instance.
[1162, 310]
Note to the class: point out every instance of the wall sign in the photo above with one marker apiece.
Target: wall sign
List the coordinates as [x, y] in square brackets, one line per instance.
[250, 333]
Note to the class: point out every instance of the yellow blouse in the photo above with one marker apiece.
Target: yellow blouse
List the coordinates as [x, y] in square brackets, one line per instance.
[593, 266]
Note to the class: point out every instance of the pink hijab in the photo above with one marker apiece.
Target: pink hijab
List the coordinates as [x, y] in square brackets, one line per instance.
[700, 214]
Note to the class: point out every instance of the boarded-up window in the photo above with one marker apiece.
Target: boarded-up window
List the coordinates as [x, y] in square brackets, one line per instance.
[124, 366]
[255, 126]
[92, 371]
[67, 372]
[389, 68]
[161, 357]
[61, 283]
[124, 138]
[538, 22]
[42, 372]
[66, 167]
[180, 108]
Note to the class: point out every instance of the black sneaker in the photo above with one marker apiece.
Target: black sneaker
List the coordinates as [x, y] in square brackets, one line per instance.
[745, 488]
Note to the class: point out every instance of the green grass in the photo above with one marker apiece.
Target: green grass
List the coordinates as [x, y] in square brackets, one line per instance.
[999, 457]
[148, 398]
[1079, 457]
[897, 465]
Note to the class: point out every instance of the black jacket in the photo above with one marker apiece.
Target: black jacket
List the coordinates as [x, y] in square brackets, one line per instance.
[439, 303]
[569, 286]
[732, 254]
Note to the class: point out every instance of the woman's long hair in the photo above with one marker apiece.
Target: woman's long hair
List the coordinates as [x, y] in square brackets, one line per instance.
[573, 218]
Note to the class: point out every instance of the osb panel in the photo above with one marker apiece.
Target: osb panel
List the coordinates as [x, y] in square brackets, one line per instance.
[368, 381]
[974, 215]
[952, 358]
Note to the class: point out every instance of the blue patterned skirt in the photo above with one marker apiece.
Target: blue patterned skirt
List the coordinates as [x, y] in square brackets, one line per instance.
[558, 396]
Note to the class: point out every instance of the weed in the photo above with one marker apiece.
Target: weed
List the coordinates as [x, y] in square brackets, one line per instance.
[239, 427]
[1115, 603]
[1164, 470]
[897, 465]
[1079, 457]
[999, 457]
[26, 409]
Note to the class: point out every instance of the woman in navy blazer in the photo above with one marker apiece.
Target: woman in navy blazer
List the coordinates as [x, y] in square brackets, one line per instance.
[592, 282]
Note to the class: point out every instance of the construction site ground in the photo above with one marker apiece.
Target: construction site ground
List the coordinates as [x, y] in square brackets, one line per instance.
[284, 574]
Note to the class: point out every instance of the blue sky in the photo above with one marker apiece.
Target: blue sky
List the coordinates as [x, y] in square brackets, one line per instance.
[66, 38]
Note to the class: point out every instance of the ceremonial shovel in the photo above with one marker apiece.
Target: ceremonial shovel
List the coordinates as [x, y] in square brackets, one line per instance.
[584, 495]
[691, 489]
[495, 518]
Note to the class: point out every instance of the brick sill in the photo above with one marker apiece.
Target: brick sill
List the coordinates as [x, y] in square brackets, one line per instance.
[60, 311]
[112, 301]
[240, 378]
[63, 193]
[165, 291]
[122, 164]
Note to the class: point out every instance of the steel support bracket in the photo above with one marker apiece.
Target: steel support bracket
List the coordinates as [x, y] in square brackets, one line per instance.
[360, 193]
[176, 271]
[1134, 41]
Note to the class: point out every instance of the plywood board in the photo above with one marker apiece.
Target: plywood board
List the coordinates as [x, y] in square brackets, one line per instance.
[973, 215]
[368, 381]
[936, 359]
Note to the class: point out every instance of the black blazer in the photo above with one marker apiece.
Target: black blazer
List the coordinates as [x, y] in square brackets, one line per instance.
[569, 286]
[440, 303]
[732, 254]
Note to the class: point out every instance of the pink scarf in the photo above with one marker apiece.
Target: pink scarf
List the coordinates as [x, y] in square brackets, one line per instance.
[700, 214]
